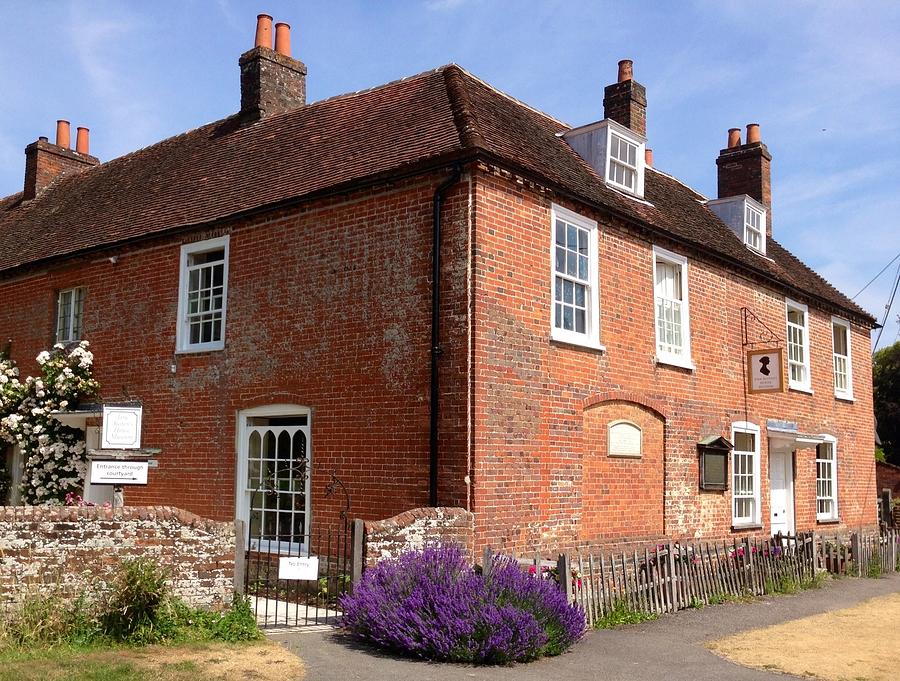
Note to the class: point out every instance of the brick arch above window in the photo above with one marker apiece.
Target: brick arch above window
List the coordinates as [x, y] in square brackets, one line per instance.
[624, 396]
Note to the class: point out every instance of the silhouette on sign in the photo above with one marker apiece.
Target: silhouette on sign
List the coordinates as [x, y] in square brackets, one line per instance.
[764, 365]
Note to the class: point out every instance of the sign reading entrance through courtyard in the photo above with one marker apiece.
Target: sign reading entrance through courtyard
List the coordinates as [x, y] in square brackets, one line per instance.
[764, 374]
[119, 472]
[121, 427]
[298, 568]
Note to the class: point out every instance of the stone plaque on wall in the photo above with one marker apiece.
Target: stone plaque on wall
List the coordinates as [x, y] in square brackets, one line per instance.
[624, 439]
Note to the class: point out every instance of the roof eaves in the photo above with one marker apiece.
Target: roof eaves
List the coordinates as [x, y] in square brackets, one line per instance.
[857, 314]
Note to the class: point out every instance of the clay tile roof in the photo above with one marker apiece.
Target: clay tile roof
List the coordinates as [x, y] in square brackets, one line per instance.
[223, 169]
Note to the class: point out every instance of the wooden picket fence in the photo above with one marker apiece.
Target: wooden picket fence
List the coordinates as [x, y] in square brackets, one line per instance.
[862, 554]
[674, 576]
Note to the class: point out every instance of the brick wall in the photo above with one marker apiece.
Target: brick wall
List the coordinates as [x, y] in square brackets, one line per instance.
[416, 528]
[329, 308]
[887, 477]
[536, 437]
[78, 549]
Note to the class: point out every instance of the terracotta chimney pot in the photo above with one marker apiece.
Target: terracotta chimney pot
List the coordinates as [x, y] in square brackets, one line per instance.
[82, 141]
[626, 70]
[734, 137]
[263, 31]
[648, 157]
[63, 134]
[283, 39]
[753, 133]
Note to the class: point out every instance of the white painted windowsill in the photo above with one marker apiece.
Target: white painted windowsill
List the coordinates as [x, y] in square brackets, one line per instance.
[680, 362]
[576, 342]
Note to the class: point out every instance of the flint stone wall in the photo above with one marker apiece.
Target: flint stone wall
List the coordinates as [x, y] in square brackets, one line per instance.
[77, 550]
[416, 528]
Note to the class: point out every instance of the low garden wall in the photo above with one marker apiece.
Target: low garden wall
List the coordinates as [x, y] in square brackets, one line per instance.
[414, 529]
[77, 549]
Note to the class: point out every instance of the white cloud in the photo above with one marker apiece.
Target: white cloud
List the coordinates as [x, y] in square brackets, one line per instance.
[102, 38]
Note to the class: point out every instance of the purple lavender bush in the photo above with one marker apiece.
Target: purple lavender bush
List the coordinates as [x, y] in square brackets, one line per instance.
[432, 604]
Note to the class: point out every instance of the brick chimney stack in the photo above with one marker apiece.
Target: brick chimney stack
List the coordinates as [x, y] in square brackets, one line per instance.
[746, 169]
[46, 162]
[625, 102]
[272, 81]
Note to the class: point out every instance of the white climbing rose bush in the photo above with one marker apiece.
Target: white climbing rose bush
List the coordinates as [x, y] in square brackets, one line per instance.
[54, 455]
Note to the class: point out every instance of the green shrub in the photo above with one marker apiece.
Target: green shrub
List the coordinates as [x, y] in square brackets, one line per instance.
[622, 614]
[46, 619]
[238, 623]
[135, 611]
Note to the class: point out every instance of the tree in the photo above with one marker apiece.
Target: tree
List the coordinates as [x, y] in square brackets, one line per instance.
[886, 384]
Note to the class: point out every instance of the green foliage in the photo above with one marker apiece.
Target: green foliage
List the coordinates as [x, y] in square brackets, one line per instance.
[695, 603]
[140, 609]
[880, 455]
[874, 570]
[238, 624]
[886, 395]
[134, 611]
[620, 615]
[814, 582]
[46, 619]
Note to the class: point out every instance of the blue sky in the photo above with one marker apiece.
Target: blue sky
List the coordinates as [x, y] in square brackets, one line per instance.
[821, 78]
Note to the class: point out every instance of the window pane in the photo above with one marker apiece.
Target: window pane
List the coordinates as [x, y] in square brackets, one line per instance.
[840, 339]
[560, 259]
[744, 442]
[560, 233]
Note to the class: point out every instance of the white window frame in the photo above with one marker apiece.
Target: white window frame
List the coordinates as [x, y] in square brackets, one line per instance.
[591, 337]
[614, 129]
[806, 384]
[243, 496]
[682, 359]
[754, 519]
[833, 497]
[183, 336]
[75, 312]
[762, 214]
[846, 393]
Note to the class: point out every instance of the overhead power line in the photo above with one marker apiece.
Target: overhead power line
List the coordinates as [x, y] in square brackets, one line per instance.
[883, 269]
[887, 308]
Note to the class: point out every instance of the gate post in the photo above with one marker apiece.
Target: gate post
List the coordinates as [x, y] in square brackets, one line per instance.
[564, 573]
[240, 557]
[356, 556]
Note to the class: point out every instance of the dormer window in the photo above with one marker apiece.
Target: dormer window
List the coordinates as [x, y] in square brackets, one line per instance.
[614, 151]
[754, 220]
[746, 218]
[622, 162]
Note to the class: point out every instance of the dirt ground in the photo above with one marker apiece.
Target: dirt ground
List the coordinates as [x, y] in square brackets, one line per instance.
[263, 661]
[267, 662]
[855, 644]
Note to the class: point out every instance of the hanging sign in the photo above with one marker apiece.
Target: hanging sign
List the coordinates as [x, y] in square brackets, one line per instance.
[298, 568]
[118, 472]
[764, 371]
[121, 427]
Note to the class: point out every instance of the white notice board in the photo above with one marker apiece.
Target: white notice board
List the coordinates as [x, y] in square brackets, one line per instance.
[119, 472]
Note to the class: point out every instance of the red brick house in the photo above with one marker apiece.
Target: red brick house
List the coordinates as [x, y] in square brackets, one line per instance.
[264, 286]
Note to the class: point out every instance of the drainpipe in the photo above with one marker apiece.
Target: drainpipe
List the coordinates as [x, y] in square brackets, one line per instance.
[436, 349]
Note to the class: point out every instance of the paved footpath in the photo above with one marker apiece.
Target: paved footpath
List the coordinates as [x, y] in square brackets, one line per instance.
[670, 648]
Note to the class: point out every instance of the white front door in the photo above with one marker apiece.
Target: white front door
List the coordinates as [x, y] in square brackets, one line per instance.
[781, 486]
